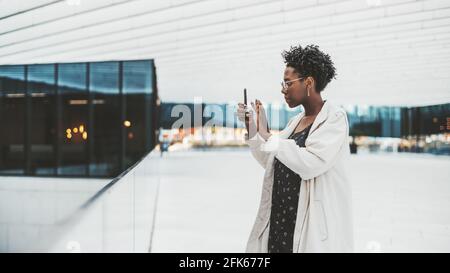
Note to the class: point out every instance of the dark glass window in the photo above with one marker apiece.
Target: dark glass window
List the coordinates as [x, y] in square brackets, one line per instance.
[12, 119]
[76, 119]
[137, 90]
[106, 120]
[42, 134]
[73, 113]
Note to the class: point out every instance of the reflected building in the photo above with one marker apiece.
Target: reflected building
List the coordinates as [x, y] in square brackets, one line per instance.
[419, 129]
[76, 119]
[377, 121]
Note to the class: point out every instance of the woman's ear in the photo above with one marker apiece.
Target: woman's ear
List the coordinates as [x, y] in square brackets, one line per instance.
[310, 82]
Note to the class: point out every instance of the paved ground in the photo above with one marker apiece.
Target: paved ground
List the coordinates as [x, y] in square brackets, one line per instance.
[208, 202]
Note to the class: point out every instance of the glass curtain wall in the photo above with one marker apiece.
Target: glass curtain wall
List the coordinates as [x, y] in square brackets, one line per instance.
[76, 119]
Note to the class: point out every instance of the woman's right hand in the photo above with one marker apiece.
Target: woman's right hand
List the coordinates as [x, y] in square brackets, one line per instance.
[245, 115]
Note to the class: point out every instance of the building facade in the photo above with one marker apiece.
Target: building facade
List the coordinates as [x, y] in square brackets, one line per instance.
[76, 119]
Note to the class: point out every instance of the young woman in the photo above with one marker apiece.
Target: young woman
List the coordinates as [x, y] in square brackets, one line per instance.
[306, 197]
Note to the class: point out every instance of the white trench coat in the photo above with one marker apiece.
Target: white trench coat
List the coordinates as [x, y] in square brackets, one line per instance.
[324, 215]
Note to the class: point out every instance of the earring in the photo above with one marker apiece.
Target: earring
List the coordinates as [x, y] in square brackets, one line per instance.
[308, 92]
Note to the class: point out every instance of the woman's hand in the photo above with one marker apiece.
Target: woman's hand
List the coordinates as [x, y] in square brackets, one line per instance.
[246, 115]
[261, 124]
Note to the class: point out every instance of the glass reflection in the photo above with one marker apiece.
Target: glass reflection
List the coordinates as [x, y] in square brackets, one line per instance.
[75, 119]
[73, 110]
[42, 134]
[12, 118]
[106, 120]
[137, 90]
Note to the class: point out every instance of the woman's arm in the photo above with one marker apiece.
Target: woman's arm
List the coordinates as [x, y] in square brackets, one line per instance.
[255, 144]
[321, 149]
[258, 131]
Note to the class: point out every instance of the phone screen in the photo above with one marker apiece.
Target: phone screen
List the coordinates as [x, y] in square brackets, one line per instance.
[245, 96]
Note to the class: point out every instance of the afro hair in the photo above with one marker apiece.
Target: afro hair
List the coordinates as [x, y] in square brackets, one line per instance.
[310, 61]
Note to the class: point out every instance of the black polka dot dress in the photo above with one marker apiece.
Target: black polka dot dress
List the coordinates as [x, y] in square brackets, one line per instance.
[285, 194]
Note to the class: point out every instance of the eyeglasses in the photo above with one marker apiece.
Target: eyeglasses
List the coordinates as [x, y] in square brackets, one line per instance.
[287, 84]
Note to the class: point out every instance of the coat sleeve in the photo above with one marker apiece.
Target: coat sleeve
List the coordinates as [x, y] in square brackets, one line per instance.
[256, 145]
[321, 150]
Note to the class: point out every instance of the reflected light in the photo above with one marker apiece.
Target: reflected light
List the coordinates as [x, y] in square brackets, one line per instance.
[98, 101]
[18, 95]
[84, 102]
[78, 102]
[80, 129]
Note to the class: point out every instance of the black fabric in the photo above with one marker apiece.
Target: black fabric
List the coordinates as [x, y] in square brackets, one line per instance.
[285, 194]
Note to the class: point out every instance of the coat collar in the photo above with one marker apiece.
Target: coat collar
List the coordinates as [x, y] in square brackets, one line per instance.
[321, 116]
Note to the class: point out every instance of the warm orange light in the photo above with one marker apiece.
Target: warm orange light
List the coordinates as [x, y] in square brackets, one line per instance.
[68, 131]
[75, 130]
[85, 135]
[78, 102]
[127, 123]
[69, 136]
[81, 128]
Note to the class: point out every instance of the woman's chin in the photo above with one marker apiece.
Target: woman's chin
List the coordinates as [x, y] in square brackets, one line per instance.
[290, 103]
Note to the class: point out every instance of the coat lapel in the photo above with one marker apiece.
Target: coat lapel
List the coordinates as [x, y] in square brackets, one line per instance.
[303, 205]
[307, 186]
[321, 116]
[288, 131]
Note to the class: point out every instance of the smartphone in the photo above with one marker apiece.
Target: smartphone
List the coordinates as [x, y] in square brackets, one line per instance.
[245, 96]
[246, 110]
